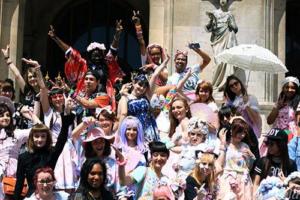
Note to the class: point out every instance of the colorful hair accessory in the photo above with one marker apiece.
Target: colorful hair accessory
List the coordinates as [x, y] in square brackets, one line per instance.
[150, 47]
[99, 110]
[95, 45]
[197, 124]
[141, 78]
[178, 52]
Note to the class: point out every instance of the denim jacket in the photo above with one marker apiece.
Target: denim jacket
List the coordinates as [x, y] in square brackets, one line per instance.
[294, 150]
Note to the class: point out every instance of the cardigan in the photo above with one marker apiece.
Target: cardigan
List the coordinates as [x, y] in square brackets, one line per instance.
[29, 162]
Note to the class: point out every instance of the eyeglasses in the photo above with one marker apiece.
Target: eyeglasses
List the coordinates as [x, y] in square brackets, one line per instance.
[234, 84]
[270, 143]
[45, 181]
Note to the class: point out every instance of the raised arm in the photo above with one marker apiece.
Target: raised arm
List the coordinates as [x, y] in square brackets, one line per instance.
[57, 40]
[139, 31]
[20, 80]
[122, 109]
[119, 29]
[43, 89]
[86, 122]
[123, 177]
[155, 75]
[275, 111]
[205, 57]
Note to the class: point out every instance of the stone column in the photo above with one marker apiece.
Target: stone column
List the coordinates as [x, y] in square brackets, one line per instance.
[11, 30]
[161, 25]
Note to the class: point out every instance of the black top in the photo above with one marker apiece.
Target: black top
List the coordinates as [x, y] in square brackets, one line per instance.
[190, 192]
[85, 195]
[260, 168]
[28, 162]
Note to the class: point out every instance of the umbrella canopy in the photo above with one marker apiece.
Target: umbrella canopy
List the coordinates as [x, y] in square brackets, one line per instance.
[252, 57]
[204, 112]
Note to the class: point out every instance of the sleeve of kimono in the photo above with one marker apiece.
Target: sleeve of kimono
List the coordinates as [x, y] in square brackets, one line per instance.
[253, 103]
[102, 100]
[138, 174]
[114, 70]
[22, 135]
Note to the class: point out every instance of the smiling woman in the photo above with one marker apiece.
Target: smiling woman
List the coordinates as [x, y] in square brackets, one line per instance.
[44, 182]
[92, 181]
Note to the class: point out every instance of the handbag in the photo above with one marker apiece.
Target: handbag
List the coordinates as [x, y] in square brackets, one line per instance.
[9, 184]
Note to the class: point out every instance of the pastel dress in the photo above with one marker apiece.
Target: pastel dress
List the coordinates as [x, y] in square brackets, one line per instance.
[241, 108]
[135, 158]
[286, 119]
[146, 181]
[65, 169]
[140, 108]
[235, 180]
[9, 152]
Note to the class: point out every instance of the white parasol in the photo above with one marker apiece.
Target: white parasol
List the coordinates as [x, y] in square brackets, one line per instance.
[252, 57]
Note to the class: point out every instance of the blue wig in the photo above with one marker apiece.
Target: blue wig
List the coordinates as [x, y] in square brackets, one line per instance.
[130, 122]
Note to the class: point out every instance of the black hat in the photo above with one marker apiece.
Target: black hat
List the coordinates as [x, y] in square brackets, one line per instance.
[94, 73]
[277, 134]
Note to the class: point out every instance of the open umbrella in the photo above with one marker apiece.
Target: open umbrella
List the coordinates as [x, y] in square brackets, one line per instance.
[204, 112]
[252, 57]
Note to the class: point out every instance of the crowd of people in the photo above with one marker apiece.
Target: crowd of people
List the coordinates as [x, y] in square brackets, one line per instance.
[95, 135]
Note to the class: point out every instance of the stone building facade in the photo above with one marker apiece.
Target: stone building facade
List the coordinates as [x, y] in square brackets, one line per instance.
[173, 23]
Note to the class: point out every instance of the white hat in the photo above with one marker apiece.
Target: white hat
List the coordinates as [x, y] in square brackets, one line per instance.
[290, 79]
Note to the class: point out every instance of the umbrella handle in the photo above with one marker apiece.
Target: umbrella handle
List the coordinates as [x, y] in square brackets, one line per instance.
[248, 78]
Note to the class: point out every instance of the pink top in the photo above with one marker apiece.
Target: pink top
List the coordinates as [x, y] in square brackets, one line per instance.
[286, 119]
[9, 150]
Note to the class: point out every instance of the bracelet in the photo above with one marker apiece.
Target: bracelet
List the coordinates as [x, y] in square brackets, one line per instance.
[121, 163]
[6, 58]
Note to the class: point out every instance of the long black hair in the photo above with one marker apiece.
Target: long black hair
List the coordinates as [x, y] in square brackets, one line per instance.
[284, 158]
[227, 91]
[84, 173]
[295, 99]
[90, 153]
[10, 128]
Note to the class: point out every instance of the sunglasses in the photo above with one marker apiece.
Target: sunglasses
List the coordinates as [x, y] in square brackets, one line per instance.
[234, 84]
[270, 143]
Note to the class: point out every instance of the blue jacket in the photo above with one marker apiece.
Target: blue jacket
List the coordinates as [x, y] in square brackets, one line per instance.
[294, 151]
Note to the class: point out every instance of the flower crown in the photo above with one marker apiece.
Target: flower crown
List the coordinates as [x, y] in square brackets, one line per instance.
[96, 45]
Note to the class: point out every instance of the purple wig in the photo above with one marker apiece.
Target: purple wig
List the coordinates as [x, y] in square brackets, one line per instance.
[130, 122]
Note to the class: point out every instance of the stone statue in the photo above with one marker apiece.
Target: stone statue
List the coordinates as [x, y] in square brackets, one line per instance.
[223, 36]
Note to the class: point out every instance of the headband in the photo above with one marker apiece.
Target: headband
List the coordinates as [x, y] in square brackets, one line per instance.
[290, 79]
[178, 52]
